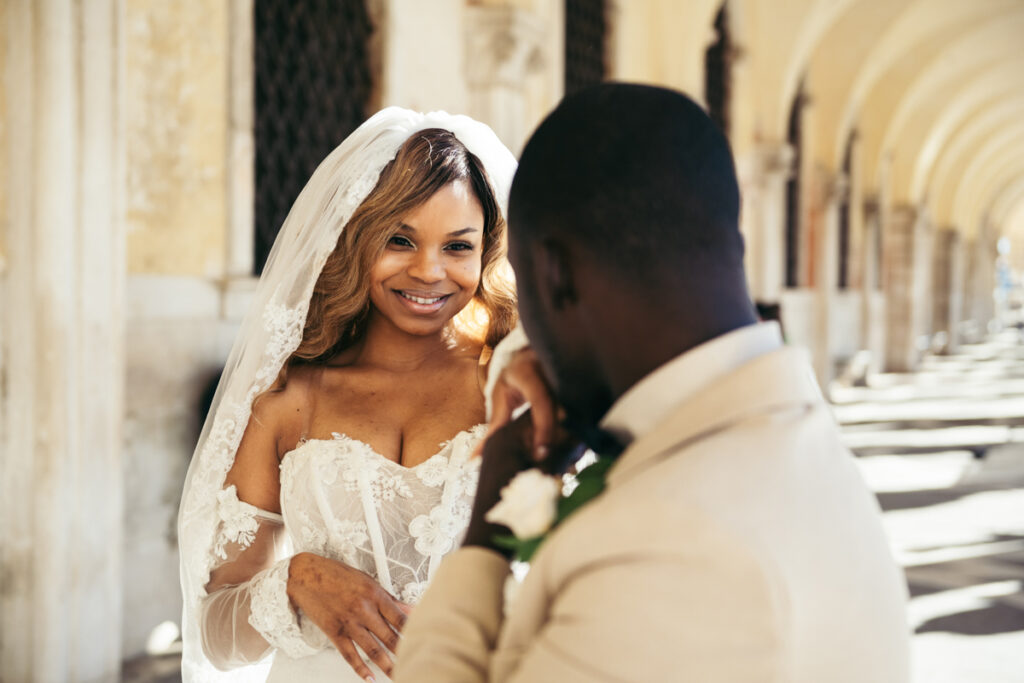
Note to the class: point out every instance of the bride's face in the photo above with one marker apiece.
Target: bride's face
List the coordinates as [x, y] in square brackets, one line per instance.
[431, 268]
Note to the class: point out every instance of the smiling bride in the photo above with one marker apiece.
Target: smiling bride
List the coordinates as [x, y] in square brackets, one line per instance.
[334, 471]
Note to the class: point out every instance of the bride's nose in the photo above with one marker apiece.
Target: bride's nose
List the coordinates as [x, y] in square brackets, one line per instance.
[426, 266]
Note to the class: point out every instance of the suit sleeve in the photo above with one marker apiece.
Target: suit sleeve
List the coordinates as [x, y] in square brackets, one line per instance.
[453, 632]
[621, 609]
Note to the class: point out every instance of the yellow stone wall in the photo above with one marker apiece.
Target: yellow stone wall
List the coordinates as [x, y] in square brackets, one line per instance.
[3, 135]
[176, 117]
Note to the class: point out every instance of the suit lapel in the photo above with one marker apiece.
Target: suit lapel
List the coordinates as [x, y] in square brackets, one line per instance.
[777, 381]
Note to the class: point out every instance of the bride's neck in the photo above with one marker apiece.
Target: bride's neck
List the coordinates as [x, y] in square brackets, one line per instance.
[388, 347]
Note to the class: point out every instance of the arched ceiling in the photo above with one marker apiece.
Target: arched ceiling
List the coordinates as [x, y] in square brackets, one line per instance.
[934, 89]
[776, 40]
[1009, 200]
[935, 176]
[840, 55]
[920, 33]
[998, 162]
[977, 110]
[992, 46]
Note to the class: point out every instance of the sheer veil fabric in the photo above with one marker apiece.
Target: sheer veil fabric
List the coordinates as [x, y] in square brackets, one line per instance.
[273, 329]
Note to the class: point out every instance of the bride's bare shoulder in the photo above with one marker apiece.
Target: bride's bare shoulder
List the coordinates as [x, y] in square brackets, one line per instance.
[286, 408]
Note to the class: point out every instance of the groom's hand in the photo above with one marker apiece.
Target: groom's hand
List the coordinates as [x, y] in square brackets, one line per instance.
[507, 451]
[522, 382]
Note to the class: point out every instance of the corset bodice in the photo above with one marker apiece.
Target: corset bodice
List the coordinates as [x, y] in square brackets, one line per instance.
[343, 500]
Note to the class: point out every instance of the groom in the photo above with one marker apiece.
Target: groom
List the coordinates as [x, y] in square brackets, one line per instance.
[735, 539]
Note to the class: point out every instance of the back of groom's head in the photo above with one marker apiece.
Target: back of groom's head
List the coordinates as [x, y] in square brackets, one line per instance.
[623, 232]
[638, 174]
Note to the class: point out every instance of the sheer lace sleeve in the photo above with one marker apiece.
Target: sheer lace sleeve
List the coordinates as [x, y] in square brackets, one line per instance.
[246, 612]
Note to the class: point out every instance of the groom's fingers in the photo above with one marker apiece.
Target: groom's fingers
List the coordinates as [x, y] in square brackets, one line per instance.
[523, 382]
[504, 401]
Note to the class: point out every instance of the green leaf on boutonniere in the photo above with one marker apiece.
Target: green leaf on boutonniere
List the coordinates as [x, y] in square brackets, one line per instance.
[522, 549]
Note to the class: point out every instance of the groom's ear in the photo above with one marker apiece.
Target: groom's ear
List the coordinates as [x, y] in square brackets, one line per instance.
[554, 266]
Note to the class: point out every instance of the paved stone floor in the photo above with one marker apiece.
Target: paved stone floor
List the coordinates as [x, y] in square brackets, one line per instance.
[944, 450]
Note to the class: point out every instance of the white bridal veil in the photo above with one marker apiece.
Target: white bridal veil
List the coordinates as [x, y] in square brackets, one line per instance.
[273, 329]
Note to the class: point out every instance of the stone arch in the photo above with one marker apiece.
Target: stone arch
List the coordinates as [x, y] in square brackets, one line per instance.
[992, 167]
[920, 32]
[993, 117]
[968, 58]
[979, 109]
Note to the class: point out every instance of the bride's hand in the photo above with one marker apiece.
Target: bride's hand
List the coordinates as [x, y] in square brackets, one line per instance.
[350, 607]
[520, 382]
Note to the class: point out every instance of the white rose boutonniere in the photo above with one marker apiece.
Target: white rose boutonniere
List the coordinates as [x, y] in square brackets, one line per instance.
[534, 503]
[528, 505]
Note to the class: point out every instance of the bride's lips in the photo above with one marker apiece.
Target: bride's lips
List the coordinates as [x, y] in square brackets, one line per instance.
[421, 303]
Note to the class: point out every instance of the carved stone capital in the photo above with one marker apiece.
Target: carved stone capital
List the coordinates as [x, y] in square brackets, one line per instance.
[504, 44]
[837, 187]
[775, 159]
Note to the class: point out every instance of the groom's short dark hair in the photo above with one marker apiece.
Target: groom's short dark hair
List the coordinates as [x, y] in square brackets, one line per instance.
[638, 175]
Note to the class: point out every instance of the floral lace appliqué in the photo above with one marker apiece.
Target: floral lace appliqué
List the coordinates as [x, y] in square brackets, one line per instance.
[432, 472]
[413, 592]
[237, 522]
[434, 533]
[348, 536]
[285, 326]
[272, 613]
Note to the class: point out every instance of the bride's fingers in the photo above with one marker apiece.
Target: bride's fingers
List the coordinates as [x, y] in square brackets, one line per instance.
[394, 612]
[348, 651]
[382, 631]
[373, 649]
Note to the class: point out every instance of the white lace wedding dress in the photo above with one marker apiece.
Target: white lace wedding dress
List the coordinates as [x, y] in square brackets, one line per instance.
[342, 500]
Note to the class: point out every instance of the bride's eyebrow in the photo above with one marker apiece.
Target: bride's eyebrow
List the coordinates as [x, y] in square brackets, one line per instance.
[405, 227]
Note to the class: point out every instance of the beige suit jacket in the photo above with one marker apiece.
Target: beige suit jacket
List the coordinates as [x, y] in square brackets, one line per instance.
[735, 542]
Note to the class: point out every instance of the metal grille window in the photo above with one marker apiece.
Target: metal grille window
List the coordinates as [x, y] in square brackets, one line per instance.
[586, 31]
[793, 192]
[311, 89]
[717, 65]
[844, 217]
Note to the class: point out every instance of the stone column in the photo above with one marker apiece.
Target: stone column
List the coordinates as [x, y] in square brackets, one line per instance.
[957, 287]
[826, 269]
[504, 47]
[763, 174]
[873, 316]
[241, 151]
[947, 278]
[61, 408]
[979, 305]
[906, 280]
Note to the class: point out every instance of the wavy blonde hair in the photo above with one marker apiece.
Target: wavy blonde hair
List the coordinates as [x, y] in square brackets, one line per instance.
[340, 306]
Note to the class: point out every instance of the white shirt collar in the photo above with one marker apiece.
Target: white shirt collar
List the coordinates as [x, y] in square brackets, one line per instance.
[651, 399]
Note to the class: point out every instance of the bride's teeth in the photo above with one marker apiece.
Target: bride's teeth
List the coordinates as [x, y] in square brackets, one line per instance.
[421, 300]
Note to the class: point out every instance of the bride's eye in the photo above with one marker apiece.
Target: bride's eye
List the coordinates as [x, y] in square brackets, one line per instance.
[461, 246]
[399, 241]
